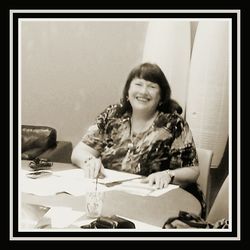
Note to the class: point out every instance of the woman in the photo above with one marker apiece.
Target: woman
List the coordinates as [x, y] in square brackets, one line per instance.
[144, 134]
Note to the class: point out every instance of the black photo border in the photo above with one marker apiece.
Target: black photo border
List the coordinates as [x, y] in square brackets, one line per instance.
[16, 235]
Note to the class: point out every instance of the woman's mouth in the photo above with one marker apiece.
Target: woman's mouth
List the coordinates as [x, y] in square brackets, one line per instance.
[142, 99]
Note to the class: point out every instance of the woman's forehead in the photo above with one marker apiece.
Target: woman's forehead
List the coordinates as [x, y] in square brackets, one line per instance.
[143, 81]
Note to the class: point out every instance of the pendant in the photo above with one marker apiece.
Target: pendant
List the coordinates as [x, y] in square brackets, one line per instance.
[130, 145]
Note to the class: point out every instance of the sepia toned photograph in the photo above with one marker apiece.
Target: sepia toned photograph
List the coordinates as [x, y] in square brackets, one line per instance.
[124, 125]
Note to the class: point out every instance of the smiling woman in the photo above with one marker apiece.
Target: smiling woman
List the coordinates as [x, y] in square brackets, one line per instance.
[144, 134]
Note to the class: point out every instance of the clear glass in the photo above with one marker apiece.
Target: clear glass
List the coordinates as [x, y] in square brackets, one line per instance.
[93, 205]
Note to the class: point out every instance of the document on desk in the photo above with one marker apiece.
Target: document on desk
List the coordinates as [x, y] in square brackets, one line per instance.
[41, 186]
[113, 176]
[55, 183]
[60, 217]
[144, 189]
[74, 182]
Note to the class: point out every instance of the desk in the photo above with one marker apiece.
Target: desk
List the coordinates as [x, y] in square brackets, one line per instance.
[150, 210]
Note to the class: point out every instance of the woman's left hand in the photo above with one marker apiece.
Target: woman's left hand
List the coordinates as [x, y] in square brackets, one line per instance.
[160, 179]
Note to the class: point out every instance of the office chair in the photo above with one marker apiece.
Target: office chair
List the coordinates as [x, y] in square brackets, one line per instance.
[205, 158]
[41, 142]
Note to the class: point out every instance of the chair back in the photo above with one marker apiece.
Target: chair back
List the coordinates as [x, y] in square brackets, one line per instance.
[205, 158]
[36, 140]
[219, 209]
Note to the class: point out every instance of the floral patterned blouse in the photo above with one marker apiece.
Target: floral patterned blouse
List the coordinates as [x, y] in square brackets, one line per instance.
[167, 144]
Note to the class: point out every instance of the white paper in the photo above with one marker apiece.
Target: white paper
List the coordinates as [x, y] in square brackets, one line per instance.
[143, 189]
[62, 217]
[48, 185]
[53, 184]
[114, 176]
[74, 183]
[76, 174]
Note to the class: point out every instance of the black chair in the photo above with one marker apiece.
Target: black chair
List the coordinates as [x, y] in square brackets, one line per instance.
[41, 142]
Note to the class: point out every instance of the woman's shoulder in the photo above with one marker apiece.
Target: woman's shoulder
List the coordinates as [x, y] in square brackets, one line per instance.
[169, 120]
[110, 113]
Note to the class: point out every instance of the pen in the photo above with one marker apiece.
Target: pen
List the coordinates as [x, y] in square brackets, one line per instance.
[99, 175]
[96, 181]
[114, 183]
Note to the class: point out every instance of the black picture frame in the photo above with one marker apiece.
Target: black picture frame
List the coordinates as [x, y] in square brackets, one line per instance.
[12, 17]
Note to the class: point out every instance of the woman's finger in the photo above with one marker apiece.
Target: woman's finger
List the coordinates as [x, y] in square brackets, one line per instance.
[151, 180]
[165, 184]
[102, 172]
[162, 183]
[158, 182]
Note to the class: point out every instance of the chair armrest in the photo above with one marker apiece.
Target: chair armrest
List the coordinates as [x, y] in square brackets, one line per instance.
[59, 153]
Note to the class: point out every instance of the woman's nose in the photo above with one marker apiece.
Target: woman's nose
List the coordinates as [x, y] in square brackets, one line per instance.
[144, 89]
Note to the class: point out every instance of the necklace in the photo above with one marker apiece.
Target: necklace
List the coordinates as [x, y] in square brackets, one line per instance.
[130, 160]
[136, 136]
[147, 126]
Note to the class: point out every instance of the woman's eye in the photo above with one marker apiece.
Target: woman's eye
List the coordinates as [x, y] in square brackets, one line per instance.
[152, 86]
[138, 84]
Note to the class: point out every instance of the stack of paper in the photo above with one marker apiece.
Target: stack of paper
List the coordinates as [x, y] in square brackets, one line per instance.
[55, 183]
[117, 176]
[143, 189]
[59, 217]
[73, 182]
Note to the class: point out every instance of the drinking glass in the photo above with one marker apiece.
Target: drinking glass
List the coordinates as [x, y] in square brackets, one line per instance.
[93, 205]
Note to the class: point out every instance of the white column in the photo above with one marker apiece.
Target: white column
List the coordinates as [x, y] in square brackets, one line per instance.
[207, 103]
[168, 44]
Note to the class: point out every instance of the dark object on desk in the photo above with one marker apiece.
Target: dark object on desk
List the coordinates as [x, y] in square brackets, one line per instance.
[41, 141]
[110, 222]
[40, 168]
[190, 220]
[40, 164]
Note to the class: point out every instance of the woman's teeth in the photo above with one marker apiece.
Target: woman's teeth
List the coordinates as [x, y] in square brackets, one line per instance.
[142, 99]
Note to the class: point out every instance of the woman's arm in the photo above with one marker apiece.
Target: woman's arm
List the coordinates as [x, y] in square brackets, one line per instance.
[184, 160]
[186, 175]
[81, 153]
[181, 176]
[86, 158]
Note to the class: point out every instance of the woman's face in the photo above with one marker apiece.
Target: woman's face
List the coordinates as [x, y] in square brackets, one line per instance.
[144, 95]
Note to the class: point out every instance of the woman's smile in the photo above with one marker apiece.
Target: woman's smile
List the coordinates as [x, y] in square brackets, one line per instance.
[142, 99]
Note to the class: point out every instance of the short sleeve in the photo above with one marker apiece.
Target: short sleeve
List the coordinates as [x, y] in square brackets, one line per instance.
[94, 138]
[183, 151]
[97, 134]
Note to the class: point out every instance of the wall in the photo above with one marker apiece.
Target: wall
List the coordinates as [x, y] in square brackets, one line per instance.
[72, 70]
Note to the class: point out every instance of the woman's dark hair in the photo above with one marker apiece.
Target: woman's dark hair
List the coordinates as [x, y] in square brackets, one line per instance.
[153, 73]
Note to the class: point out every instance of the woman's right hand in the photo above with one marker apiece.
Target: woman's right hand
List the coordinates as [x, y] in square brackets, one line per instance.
[93, 168]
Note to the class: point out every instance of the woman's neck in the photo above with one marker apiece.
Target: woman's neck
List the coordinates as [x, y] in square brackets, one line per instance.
[141, 122]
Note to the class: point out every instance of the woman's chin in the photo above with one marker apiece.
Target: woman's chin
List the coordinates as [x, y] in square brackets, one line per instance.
[142, 108]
